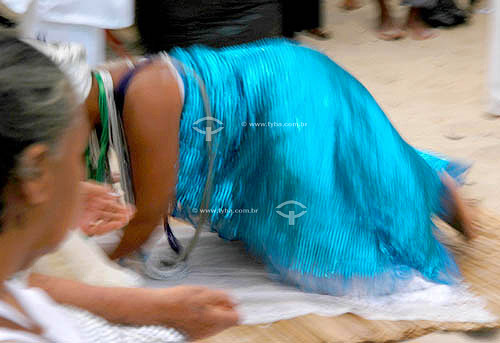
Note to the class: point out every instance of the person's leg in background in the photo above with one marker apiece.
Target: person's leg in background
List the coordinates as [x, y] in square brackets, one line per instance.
[311, 14]
[288, 18]
[350, 5]
[419, 29]
[388, 29]
[494, 72]
[302, 15]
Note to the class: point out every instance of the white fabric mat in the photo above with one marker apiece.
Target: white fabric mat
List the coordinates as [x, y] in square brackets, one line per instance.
[94, 329]
[226, 265]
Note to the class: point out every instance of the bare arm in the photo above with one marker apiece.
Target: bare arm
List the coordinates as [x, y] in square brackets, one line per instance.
[106, 302]
[151, 119]
[196, 311]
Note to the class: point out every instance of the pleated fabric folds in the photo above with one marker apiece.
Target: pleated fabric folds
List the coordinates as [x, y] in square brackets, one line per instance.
[309, 172]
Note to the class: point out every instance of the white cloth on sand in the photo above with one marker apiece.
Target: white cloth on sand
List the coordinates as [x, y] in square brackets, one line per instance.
[61, 324]
[226, 265]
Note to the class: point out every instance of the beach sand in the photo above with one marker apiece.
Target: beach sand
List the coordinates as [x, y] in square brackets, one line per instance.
[434, 91]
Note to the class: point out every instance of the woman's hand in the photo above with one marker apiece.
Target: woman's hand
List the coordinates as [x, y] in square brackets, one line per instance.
[102, 211]
[198, 312]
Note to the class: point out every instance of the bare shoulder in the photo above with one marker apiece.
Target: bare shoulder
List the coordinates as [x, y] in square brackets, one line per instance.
[156, 90]
[153, 101]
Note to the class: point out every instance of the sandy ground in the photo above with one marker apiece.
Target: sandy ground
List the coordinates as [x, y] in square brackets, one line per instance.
[433, 91]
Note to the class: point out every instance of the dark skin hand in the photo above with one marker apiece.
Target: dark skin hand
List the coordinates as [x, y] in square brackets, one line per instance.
[152, 110]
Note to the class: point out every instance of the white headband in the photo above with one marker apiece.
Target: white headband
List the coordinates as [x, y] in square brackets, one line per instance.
[71, 59]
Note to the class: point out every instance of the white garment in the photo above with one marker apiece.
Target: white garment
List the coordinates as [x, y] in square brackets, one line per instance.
[44, 313]
[494, 72]
[175, 67]
[104, 14]
[81, 259]
[74, 21]
[93, 39]
[71, 59]
[62, 324]
[222, 264]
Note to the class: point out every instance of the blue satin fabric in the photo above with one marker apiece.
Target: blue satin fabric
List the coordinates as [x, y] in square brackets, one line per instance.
[368, 196]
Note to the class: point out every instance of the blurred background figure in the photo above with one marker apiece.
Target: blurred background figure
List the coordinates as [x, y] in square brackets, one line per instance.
[164, 24]
[422, 16]
[389, 30]
[304, 15]
[82, 22]
[494, 74]
[350, 5]
[5, 20]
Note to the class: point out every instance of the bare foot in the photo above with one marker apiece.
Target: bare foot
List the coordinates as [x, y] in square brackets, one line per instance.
[459, 217]
[318, 33]
[388, 30]
[423, 33]
[350, 5]
[419, 29]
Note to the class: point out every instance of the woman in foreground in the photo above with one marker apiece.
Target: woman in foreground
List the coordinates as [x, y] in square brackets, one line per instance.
[43, 135]
[308, 170]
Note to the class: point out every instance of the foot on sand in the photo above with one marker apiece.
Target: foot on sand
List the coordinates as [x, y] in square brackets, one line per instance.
[419, 29]
[350, 5]
[318, 33]
[388, 30]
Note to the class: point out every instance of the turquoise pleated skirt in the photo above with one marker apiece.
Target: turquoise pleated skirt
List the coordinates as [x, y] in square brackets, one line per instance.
[309, 172]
